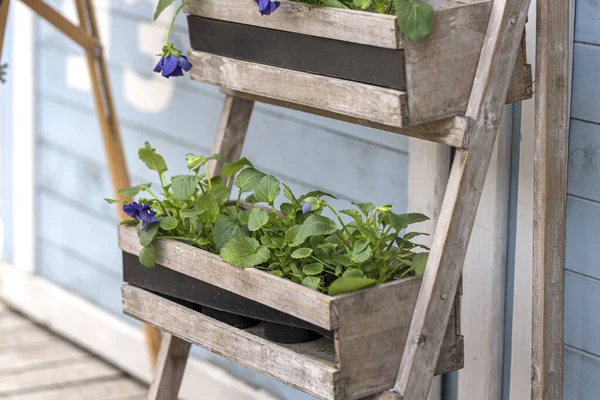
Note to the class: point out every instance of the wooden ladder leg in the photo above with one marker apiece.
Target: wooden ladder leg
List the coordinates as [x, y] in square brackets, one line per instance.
[231, 131]
[170, 367]
[438, 289]
[110, 133]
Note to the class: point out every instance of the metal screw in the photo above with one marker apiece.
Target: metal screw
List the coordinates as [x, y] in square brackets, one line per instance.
[513, 21]
[493, 119]
[444, 296]
[420, 340]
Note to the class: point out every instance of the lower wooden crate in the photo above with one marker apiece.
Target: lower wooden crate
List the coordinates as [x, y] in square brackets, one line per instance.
[312, 367]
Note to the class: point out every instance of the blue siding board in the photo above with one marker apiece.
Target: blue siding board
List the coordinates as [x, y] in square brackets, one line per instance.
[583, 252]
[587, 21]
[581, 375]
[584, 160]
[582, 312]
[586, 82]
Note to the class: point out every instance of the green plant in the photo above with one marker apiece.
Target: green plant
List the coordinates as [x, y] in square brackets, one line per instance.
[295, 242]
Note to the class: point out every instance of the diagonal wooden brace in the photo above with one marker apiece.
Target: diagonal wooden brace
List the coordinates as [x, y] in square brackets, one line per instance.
[434, 303]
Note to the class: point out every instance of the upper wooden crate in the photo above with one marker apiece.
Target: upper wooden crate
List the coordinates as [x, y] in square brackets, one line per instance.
[370, 326]
[354, 65]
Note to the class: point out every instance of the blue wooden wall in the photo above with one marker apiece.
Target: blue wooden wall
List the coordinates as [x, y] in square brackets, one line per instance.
[582, 308]
[77, 242]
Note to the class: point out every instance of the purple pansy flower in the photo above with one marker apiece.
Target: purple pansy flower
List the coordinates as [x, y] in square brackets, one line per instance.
[170, 65]
[142, 213]
[306, 207]
[266, 7]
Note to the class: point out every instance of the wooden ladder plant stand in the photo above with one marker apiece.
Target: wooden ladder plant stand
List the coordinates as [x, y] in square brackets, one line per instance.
[442, 275]
[87, 36]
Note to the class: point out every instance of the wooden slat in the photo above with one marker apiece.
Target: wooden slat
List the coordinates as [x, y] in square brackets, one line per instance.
[312, 54]
[113, 389]
[353, 26]
[358, 100]
[307, 373]
[365, 318]
[440, 69]
[284, 295]
[170, 366]
[10, 320]
[3, 18]
[434, 304]
[24, 337]
[231, 131]
[74, 371]
[550, 197]
[451, 131]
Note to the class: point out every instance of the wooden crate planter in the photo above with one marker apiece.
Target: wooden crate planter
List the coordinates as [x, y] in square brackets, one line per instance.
[369, 327]
[350, 65]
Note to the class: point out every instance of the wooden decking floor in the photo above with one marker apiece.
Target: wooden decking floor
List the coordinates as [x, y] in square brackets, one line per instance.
[35, 364]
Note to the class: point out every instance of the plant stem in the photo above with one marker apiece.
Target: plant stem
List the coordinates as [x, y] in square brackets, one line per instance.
[173, 20]
[344, 227]
[159, 202]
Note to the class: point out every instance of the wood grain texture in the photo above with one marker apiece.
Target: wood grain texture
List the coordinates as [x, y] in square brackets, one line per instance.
[284, 295]
[309, 373]
[371, 331]
[440, 69]
[358, 100]
[3, 18]
[465, 185]
[549, 197]
[451, 131]
[231, 131]
[113, 389]
[170, 366]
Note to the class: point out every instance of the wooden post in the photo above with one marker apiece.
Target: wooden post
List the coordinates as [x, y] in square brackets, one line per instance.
[432, 310]
[550, 196]
[169, 368]
[3, 19]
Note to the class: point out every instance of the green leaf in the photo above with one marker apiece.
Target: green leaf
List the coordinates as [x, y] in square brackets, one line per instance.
[184, 186]
[314, 225]
[147, 236]
[334, 3]
[162, 6]
[312, 282]
[134, 190]
[152, 159]
[195, 161]
[243, 217]
[129, 222]
[217, 157]
[209, 209]
[362, 256]
[168, 223]
[190, 213]
[226, 228]
[231, 169]
[276, 273]
[312, 269]
[148, 256]
[286, 209]
[365, 208]
[292, 233]
[244, 252]
[363, 4]
[113, 201]
[220, 193]
[316, 193]
[419, 262]
[402, 221]
[353, 273]
[360, 245]
[258, 218]
[354, 214]
[248, 179]
[287, 192]
[415, 18]
[267, 190]
[302, 252]
[346, 285]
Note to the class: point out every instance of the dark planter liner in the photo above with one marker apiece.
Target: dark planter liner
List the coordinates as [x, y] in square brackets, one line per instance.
[351, 61]
[218, 303]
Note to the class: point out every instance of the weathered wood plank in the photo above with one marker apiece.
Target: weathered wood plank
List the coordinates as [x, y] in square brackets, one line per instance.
[552, 105]
[352, 26]
[284, 295]
[74, 371]
[305, 53]
[9, 320]
[452, 131]
[170, 366]
[364, 318]
[307, 373]
[113, 389]
[359, 100]
[19, 358]
[465, 185]
[27, 337]
[231, 131]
